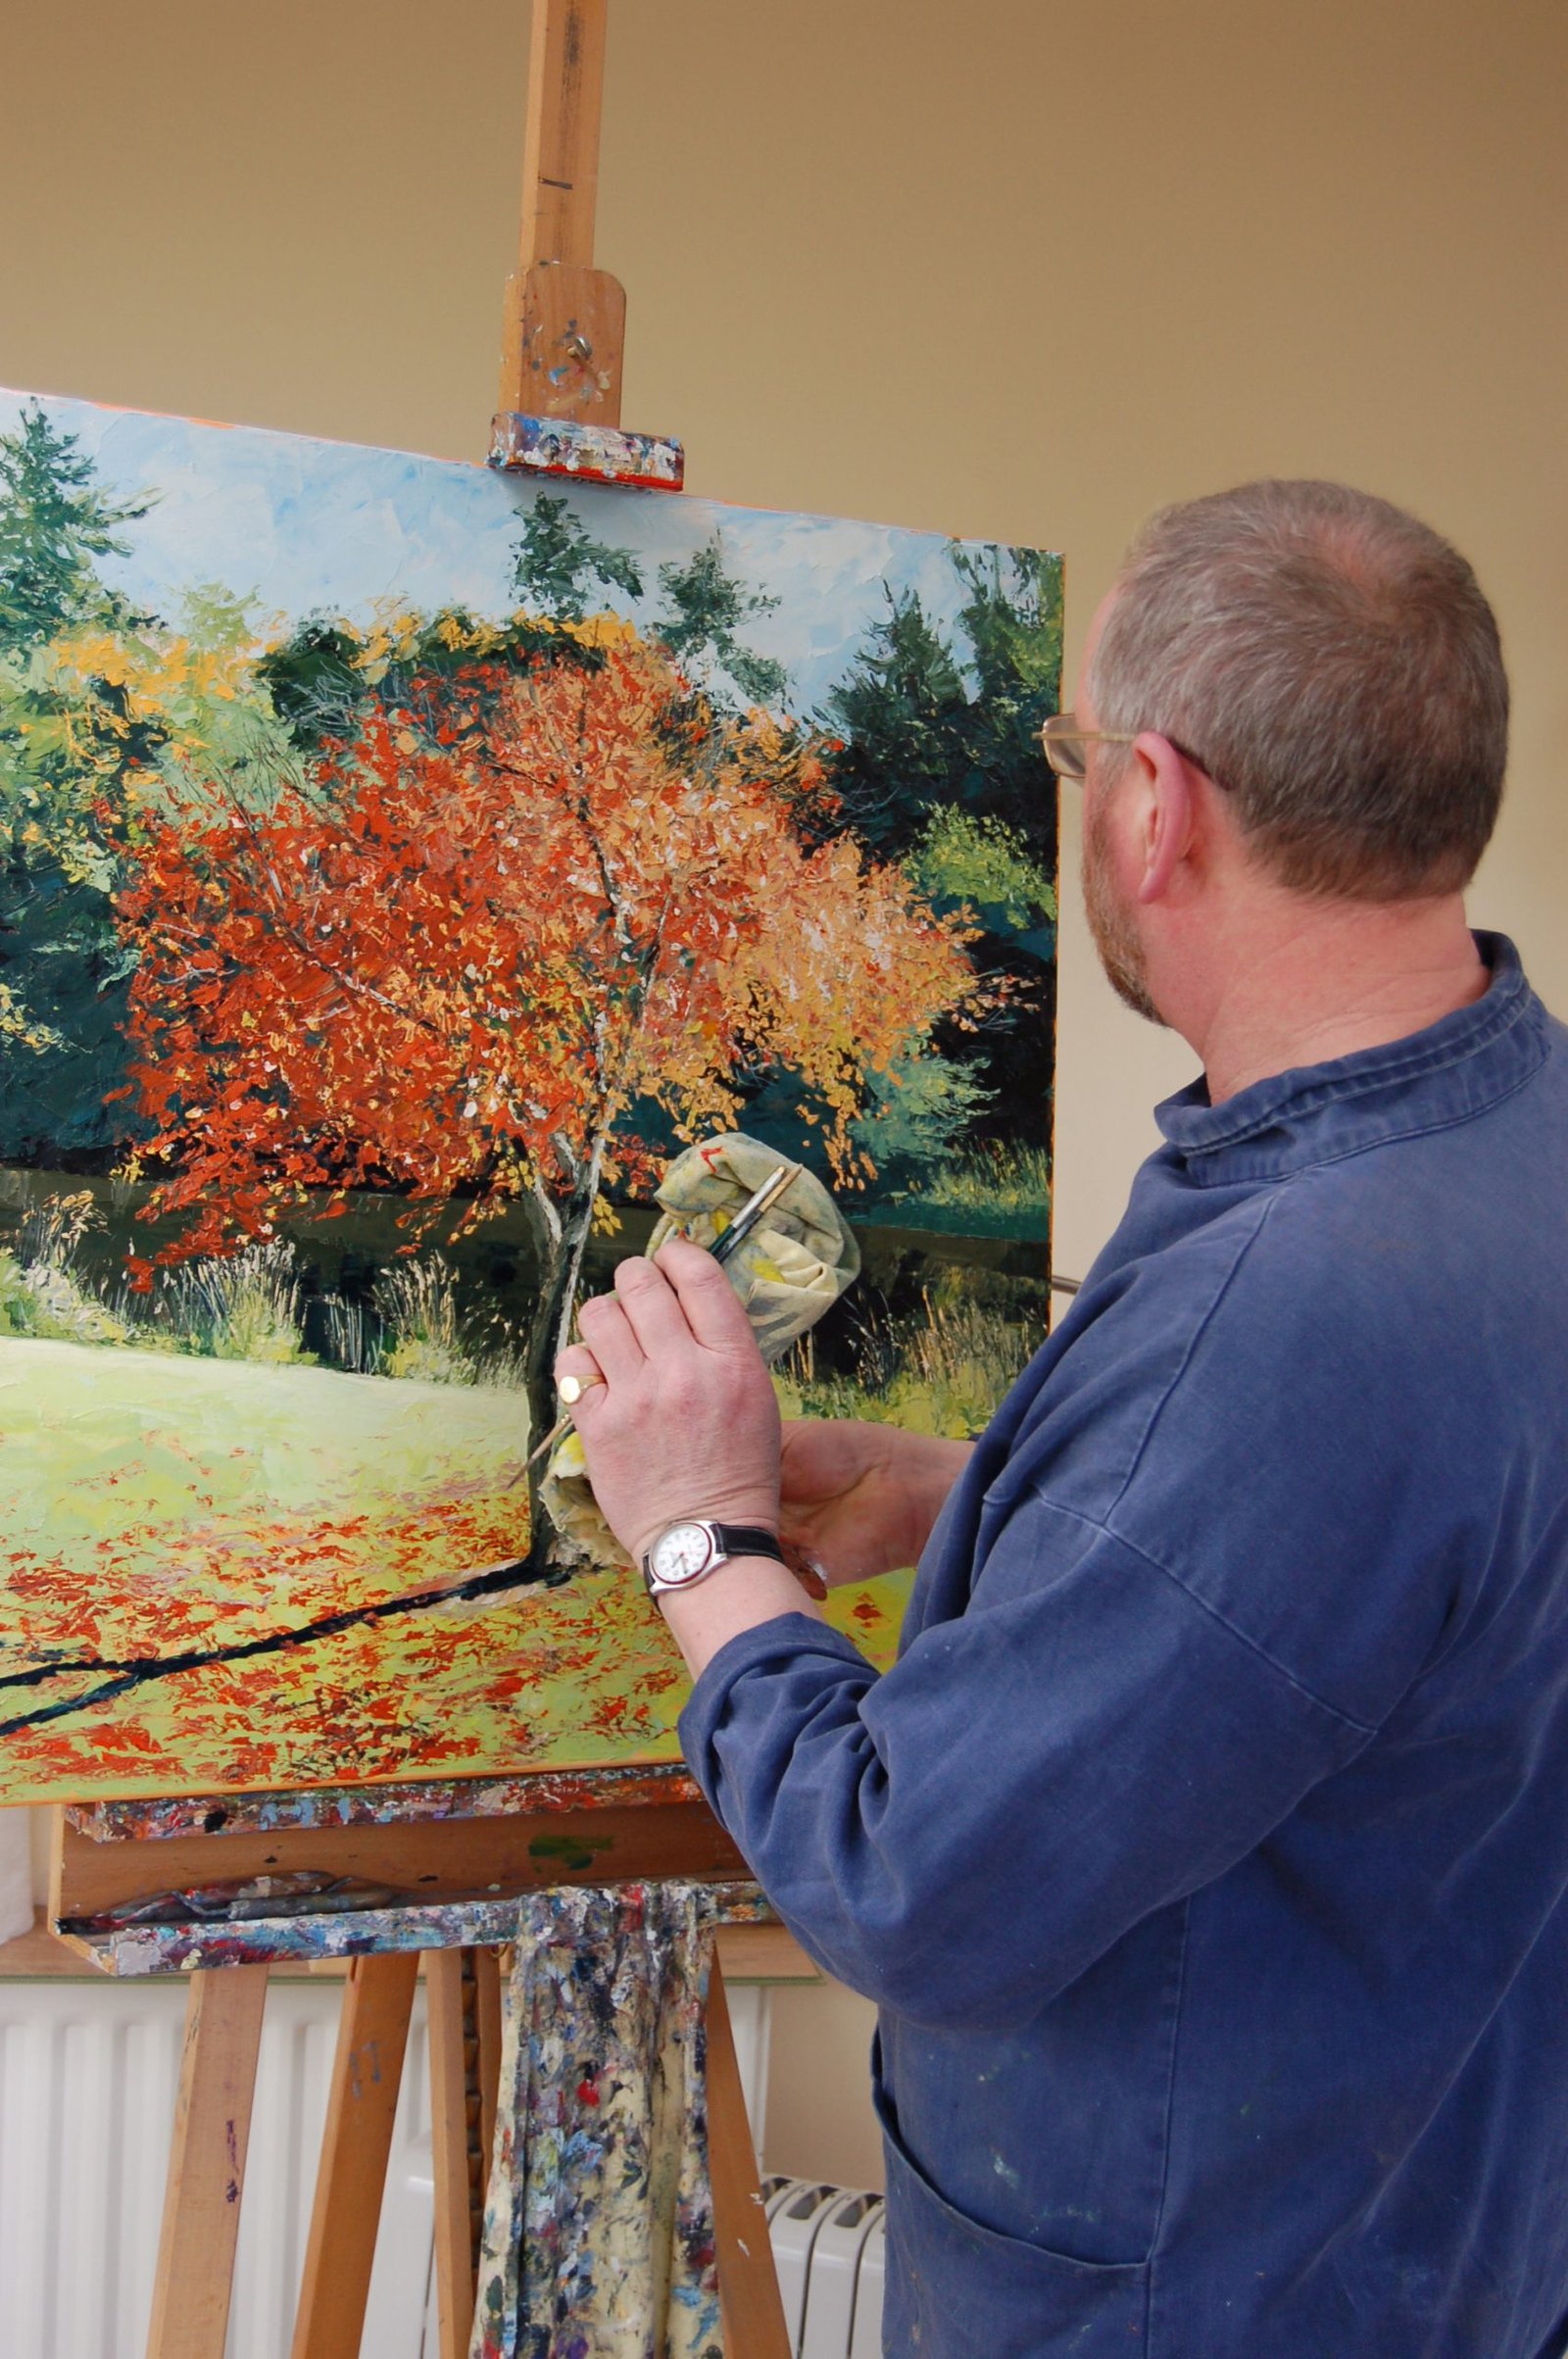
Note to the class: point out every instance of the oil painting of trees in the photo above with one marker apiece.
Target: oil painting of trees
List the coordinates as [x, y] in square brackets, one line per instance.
[398, 866]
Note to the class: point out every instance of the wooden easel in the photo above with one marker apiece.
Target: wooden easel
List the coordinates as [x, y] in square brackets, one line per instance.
[502, 1852]
[561, 362]
[564, 323]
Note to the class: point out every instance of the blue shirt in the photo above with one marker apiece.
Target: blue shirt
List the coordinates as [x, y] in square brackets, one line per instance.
[1206, 1848]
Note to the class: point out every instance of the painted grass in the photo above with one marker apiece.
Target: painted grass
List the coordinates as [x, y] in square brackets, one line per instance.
[942, 1368]
[152, 1505]
[993, 1191]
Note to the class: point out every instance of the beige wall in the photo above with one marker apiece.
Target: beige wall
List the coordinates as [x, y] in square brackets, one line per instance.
[1022, 268]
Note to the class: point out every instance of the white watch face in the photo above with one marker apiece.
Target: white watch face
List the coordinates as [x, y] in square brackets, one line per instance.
[681, 1553]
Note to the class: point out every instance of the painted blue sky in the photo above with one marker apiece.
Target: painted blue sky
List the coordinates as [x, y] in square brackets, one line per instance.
[304, 526]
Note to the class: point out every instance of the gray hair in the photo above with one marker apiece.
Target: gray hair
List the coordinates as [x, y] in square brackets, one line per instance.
[1332, 662]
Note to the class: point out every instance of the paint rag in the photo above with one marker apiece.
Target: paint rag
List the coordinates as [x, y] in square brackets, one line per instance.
[791, 1268]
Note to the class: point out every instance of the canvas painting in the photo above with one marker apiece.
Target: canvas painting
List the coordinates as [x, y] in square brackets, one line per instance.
[401, 865]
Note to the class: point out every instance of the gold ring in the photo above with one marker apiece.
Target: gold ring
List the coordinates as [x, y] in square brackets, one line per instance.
[573, 1387]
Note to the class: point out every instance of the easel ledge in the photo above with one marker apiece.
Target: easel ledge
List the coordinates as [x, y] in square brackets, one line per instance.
[748, 1954]
[402, 1867]
[450, 1864]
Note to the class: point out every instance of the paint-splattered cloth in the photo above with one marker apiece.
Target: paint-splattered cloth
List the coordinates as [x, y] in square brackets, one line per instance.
[599, 2225]
[793, 1266]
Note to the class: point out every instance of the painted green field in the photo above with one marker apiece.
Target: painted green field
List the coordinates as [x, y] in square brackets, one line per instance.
[210, 1437]
[154, 1506]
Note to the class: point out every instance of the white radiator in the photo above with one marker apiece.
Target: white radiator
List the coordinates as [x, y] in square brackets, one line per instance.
[88, 2074]
[829, 2251]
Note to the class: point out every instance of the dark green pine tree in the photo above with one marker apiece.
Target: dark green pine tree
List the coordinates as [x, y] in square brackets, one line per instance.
[932, 724]
[557, 559]
[1012, 620]
[55, 522]
[61, 961]
[902, 712]
[705, 609]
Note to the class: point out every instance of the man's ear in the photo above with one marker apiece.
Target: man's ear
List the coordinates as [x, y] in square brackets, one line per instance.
[1168, 812]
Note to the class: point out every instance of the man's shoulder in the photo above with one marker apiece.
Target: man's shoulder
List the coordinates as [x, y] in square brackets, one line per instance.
[1473, 1193]
[1370, 1290]
[1375, 1294]
[1434, 1221]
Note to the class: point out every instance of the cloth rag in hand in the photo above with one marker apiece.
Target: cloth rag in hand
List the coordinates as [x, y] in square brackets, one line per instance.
[787, 1271]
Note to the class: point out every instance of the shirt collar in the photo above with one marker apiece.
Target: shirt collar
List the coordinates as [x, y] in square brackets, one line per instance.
[1317, 1114]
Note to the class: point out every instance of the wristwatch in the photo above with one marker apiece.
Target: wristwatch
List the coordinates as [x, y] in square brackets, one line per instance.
[688, 1553]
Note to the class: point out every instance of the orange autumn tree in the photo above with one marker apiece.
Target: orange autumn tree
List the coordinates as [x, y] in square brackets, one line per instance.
[471, 944]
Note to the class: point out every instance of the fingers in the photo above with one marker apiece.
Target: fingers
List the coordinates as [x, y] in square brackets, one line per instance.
[611, 1339]
[658, 1307]
[651, 1308]
[807, 1571]
[710, 1304]
[578, 1362]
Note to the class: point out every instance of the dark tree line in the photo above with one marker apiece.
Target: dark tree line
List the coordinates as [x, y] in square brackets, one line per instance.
[64, 754]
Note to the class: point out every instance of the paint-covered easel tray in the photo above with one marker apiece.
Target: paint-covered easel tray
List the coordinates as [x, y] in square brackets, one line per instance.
[403, 862]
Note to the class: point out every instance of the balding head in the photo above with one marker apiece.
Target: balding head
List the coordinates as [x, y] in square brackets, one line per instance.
[1332, 663]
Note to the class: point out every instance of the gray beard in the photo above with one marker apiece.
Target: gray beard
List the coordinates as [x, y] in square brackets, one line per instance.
[1121, 953]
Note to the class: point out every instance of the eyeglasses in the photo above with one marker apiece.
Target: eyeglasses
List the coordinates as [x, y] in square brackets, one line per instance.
[1063, 744]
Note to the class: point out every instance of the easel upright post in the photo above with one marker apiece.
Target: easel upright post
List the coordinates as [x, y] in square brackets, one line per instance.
[564, 323]
[207, 2164]
[751, 2306]
[451, 1994]
[366, 2074]
[561, 140]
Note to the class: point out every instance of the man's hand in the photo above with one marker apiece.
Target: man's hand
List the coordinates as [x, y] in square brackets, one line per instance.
[686, 1423]
[857, 1499]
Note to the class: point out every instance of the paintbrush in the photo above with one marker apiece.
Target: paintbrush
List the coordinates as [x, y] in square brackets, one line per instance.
[744, 1220]
[751, 1213]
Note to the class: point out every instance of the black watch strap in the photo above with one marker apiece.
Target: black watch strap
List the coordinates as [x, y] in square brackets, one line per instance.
[748, 1539]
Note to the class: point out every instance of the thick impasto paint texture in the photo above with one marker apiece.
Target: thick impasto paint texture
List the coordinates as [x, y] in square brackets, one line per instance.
[399, 864]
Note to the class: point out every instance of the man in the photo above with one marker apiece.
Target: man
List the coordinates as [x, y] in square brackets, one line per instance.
[1206, 1848]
